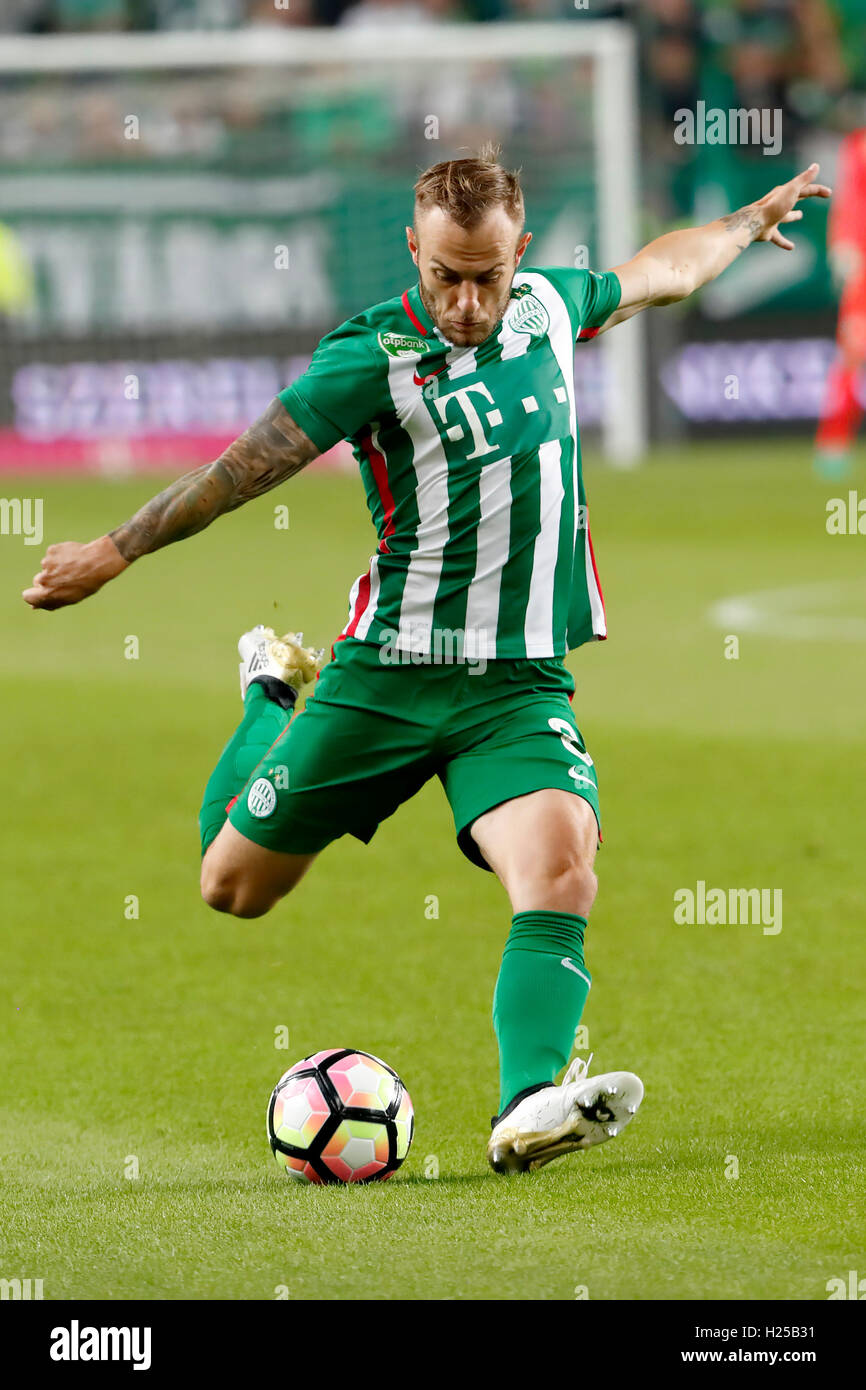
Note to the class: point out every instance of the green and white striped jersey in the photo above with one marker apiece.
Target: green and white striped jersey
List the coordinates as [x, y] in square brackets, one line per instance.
[470, 458]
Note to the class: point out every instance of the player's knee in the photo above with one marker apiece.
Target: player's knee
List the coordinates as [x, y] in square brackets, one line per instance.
[227, 893]
[577, 885]
[249, 906]
[568, 885]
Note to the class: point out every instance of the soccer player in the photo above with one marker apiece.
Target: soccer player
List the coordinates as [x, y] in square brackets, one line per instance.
[846, 238]
[458, 399]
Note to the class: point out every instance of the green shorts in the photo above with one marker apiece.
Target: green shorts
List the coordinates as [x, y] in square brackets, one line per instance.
[372, 734]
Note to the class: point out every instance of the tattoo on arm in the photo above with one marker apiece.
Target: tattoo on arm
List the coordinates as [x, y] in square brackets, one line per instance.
[271, 450]
[746, 219]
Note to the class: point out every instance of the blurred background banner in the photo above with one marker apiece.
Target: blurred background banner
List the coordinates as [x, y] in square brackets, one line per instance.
[192, 194]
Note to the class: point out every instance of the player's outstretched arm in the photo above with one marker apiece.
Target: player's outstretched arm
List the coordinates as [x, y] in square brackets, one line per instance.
[271, 450]
[675, 265]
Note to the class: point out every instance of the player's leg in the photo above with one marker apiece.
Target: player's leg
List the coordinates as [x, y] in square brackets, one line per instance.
[245, 879]
[525, 799]
[273, 671]
[358, 749]
[542, 848]
[237, 875]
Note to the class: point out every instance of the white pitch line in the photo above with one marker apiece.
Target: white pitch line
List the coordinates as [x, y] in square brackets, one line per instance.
[780, 613]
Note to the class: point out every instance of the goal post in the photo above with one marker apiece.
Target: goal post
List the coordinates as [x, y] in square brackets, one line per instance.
[152, 177]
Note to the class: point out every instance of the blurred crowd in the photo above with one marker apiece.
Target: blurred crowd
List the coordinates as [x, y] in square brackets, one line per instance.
[68, 16]
[768, 41]
[802, 55]
[805, 59]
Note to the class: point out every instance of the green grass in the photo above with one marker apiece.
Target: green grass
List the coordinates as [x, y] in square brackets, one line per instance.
[154, 1037]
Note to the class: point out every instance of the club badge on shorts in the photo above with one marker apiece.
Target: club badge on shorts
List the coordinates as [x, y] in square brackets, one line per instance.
[261, 799]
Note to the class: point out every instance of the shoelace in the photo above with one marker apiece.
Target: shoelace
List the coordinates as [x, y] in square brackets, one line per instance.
[578, 1070]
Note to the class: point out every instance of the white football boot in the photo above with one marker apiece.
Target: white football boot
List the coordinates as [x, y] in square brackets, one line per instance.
[266, 657]
[578, 1113]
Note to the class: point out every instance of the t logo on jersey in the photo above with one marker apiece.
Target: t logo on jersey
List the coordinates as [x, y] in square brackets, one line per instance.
[471, 417]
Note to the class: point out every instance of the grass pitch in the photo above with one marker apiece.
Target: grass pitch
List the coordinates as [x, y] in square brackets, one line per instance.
[145, 1044]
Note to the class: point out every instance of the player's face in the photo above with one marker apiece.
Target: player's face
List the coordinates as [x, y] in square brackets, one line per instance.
[465, 276]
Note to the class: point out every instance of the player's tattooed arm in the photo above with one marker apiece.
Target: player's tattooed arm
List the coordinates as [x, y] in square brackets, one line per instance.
[675, 265]
[270, 451]
[744, 225]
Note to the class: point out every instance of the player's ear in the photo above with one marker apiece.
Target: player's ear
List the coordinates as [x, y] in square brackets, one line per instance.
[522, 245]
[412, 243]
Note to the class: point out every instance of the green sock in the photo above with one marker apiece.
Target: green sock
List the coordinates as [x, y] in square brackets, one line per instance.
[539, 999]
[262, 724]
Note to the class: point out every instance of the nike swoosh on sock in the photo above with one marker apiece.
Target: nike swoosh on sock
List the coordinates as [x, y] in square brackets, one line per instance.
[570, 965]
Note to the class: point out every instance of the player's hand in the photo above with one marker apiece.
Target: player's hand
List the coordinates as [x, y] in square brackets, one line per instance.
[777, 207]
[71, 572]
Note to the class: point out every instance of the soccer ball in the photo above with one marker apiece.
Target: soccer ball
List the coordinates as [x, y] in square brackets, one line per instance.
[340, 1116]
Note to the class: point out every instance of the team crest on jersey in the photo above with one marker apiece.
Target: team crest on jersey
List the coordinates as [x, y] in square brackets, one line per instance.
[529, 316]
[402, 344]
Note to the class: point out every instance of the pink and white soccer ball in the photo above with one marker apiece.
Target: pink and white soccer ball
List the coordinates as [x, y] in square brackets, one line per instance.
[340, 1116]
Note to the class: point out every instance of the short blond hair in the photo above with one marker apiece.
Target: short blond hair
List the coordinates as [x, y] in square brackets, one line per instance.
[467, 189]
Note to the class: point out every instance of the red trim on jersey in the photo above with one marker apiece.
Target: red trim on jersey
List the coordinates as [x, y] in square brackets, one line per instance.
[413, 316]
[584, 334]
[231, 803]
[602, 636]
[379, 466]
[422, 380]
[361, 601]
